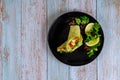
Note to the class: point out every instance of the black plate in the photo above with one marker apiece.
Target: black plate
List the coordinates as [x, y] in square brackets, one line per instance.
[58, 34]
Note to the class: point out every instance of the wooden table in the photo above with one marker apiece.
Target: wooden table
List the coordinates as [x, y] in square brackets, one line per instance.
[24, 50]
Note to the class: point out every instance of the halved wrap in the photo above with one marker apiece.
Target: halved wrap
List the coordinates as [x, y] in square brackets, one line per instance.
[74, 40]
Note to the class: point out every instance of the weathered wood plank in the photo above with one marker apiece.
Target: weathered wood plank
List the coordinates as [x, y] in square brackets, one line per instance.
[108, 14]
[1, 71]
[34, 56]
[87, 72]
[56, 69]
[88, 6]
[11, 42]
[23, 54]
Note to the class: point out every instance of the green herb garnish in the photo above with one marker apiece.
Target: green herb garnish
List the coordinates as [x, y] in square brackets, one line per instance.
[84, 19]
[78, 21]
[92, 35]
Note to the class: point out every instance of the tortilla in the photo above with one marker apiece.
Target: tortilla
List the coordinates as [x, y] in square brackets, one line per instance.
[74, 40]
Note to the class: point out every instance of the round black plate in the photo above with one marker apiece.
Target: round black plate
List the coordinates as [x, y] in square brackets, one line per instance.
[58, 34]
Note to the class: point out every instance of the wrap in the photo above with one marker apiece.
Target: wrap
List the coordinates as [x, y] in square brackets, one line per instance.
[73, 42]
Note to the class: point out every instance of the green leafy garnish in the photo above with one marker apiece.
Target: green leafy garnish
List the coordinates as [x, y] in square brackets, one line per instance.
[84, 19]
[94, 31]
[91, 35]
[78, 21]
[90, 53]
[96, 27]
[93, 49]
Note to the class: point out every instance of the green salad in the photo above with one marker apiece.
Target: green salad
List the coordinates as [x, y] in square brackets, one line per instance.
[92, 40]
[93, 37]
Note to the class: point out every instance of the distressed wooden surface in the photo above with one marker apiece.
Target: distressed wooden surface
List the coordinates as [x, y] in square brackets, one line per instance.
[56, 69]
[87, 72]
[108, 14]
[24, 50]
[33, 37]
[11, 40]
[1, 71]
[24, 40]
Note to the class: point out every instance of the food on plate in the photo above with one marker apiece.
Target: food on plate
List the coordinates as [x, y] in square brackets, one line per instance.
[81, 27]
[74, 40]
[89, 27]
[82, 20]
[93, 42]
[93, 38]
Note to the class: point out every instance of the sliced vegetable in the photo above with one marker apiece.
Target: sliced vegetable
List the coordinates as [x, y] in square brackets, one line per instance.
[93, 42]
[89, 27]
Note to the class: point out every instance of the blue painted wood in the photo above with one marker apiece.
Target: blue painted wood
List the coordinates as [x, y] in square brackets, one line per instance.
[33, 37]
[87, 72]
[11, 39]
[24, 44]
[56, 69]
[1, 71]
[108, 13]
[24, 51]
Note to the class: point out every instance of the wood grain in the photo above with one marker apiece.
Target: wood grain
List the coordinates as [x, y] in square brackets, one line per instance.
[1, 71]
[11, 42]
[87, 72]
[88, 6]
[108, 13]
[33, 37]
[56, 69]
[24, 51]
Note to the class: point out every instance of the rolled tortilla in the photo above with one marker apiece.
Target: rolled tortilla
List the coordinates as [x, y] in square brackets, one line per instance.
[74, 40]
